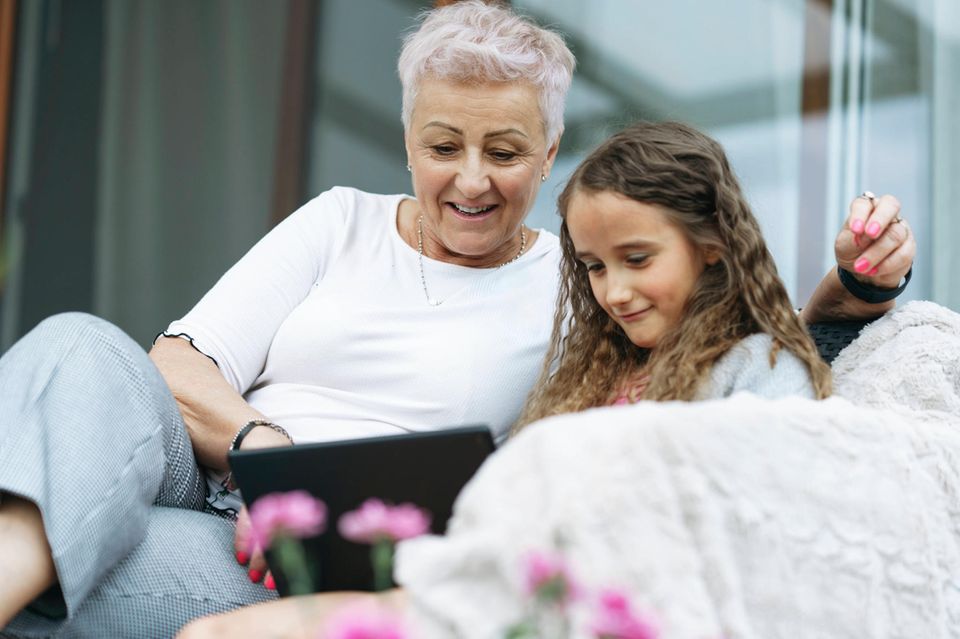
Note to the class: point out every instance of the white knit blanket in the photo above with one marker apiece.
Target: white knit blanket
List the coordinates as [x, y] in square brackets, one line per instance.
[740, 518]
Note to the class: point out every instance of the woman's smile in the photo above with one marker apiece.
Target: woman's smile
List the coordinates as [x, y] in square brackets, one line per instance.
[472, 213]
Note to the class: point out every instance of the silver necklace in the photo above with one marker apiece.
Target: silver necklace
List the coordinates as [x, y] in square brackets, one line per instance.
[423, 279]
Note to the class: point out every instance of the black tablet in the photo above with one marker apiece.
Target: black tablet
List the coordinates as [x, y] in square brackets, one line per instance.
[425, 468]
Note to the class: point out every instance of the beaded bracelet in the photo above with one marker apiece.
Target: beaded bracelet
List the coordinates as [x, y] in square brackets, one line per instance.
[249, 426]
[238, 439]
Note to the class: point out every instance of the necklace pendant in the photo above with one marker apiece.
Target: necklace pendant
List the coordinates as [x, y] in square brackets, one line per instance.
[423, 277]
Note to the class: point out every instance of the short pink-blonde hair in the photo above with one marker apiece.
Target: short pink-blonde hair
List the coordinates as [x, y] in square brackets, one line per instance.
[474, 41]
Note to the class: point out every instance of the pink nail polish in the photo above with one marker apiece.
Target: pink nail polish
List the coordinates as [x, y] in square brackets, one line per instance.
[862, 265]
[857, 226]
[873, 271]
[242, 558]
[269, 583]
[255, 575]
[873, 229]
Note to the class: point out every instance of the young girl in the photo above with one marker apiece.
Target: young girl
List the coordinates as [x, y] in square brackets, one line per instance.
[668, 290]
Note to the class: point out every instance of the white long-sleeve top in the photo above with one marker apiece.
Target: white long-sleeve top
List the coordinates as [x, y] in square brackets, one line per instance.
[324, 327]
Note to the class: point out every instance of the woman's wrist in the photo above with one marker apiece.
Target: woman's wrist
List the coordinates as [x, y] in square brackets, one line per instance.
[265, 438]
[257, 433]
[870, 292]
[260, 433]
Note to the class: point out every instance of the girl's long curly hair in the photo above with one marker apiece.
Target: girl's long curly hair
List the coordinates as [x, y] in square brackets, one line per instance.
[688, 174]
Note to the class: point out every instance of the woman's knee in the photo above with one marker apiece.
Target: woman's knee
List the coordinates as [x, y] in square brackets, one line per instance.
[80, 348]
[69, 328]
[82, 365]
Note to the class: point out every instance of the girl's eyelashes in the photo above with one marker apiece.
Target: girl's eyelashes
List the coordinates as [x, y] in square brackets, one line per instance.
[636, 259]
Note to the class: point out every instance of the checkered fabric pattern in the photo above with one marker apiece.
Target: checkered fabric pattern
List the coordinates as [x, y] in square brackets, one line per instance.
[90, 433]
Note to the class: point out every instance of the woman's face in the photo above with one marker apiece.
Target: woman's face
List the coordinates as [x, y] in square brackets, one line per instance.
[477, 152]
[642, 267]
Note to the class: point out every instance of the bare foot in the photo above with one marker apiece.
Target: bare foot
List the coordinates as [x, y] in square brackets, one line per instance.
[24, 552]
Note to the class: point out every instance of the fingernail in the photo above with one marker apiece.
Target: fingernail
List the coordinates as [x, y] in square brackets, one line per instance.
[255, 575]
[242, 558]
[857, 226]
[873, 229]
[269, 583]
[874, 270]
[862, 265]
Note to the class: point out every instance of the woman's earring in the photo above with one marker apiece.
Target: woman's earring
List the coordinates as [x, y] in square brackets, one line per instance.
[409, 168]
[543, 177]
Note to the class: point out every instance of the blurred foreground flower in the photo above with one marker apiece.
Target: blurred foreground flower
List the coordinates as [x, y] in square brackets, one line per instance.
[365, 621]
[295, 514]
[382, 526]
[277, 522]
[615, 620]
[549, 582]
[375, 520]
[548, 578]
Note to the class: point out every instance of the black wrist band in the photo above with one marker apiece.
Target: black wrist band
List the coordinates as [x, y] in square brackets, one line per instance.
[253, 423]
[869, 293]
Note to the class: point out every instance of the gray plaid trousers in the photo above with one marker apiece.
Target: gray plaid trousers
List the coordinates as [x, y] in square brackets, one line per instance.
[90, 433]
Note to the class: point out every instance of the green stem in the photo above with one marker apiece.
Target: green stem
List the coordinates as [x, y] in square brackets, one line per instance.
[293, 560]
[381, 557]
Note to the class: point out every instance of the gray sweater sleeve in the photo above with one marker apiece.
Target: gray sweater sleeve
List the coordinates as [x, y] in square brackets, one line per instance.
[746, 367]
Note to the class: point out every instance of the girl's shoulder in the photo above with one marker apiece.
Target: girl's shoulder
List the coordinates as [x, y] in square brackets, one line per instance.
[747, 367]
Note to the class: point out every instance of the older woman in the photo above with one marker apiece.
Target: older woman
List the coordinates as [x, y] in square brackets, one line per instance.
[361, 314]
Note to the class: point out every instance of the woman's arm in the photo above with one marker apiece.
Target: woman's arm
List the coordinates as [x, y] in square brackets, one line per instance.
[876, 239]
[232, 328]
[831, 301]
[212, 410]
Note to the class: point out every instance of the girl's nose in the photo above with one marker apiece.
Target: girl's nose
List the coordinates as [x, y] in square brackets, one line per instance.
[618, 289]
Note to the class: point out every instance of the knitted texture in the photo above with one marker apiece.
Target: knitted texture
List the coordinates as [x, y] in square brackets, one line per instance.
[743, 517]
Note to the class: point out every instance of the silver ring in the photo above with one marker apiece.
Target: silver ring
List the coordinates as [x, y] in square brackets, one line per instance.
[868, 195]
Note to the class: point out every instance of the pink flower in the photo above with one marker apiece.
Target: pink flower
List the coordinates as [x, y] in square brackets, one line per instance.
[292, 514]
[361, 621]
[615, 620]
[376, 521]
[547, 577]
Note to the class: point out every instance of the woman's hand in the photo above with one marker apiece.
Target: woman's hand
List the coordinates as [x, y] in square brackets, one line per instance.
[877, 246]
[244, 551]
[875, 243]
[248, 556]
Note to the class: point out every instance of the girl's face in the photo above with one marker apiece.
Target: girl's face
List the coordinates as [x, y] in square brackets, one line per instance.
[642, 267]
